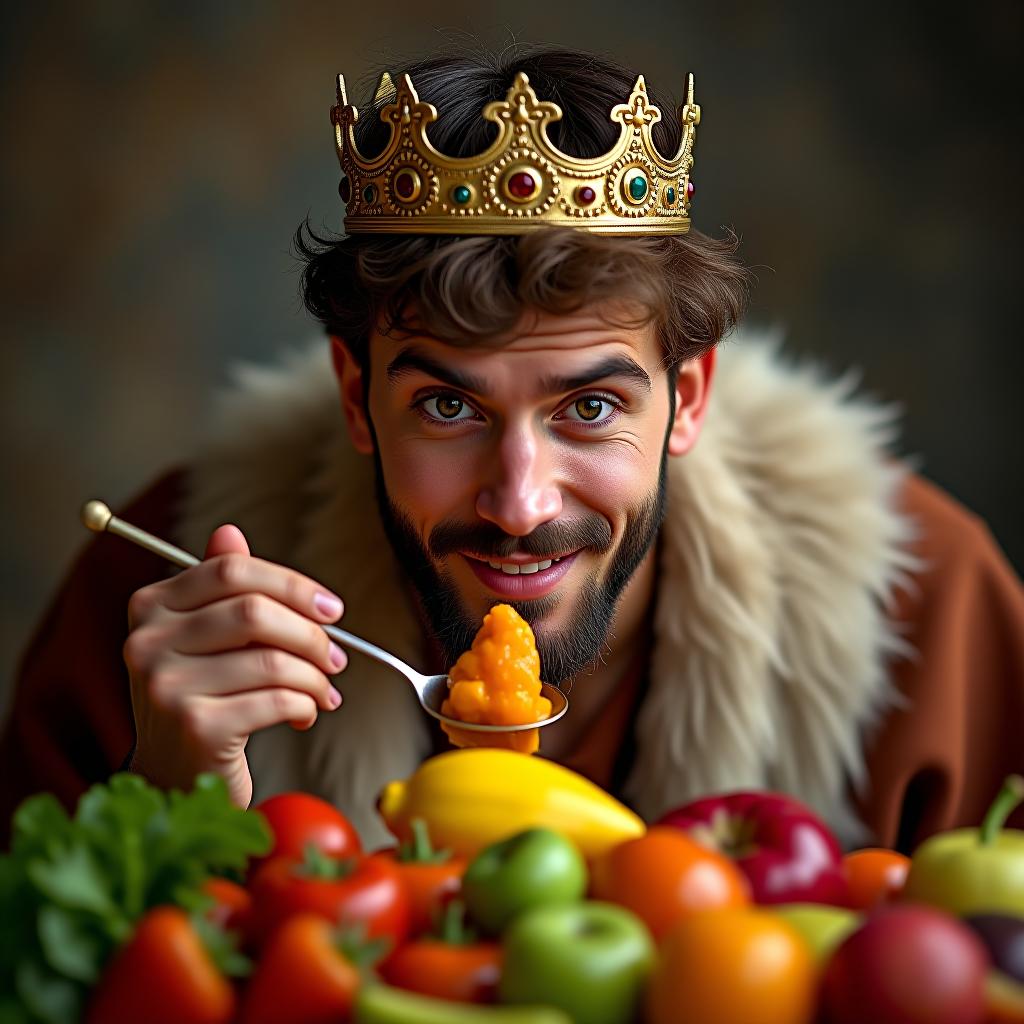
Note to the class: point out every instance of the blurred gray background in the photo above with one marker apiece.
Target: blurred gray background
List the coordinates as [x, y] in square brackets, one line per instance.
[158, 156]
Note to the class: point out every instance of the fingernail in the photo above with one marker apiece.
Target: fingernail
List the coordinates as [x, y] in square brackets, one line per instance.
[333, 698]
[337, 656]
[328, 605]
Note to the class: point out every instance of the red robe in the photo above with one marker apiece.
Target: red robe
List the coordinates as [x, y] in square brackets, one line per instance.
[933, 765]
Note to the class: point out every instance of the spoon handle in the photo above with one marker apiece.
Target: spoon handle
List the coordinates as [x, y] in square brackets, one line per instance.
[97, 516]
[343, 636]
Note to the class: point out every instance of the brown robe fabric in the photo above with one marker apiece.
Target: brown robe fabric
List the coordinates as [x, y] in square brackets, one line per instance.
[933, 764]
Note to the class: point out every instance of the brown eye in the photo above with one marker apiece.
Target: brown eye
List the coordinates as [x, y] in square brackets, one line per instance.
[448, 406]
[588, 409]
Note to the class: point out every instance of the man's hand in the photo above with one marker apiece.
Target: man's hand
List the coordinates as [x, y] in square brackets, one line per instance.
[227, 647]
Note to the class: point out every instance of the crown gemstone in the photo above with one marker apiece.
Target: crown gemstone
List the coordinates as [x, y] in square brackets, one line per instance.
[345, 190]
[370, 194]
[670, 196]
[636, 186]
[522, 186]
[585, 195]
[462, 194]
[689, 190]
[407, 185]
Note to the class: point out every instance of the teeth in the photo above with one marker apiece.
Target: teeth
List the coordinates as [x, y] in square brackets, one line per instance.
[514, 570]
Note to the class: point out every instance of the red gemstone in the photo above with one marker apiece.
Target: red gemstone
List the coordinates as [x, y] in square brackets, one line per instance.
[405, 185]
[345, 190]
[522, 185]
[585, 195]
[689, 189]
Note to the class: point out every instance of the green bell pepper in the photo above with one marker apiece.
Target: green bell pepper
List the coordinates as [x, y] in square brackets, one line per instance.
[970, 870]
[383, 1004]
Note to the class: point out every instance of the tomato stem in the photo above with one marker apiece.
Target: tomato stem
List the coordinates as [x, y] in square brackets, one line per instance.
[419, 849]
[317, 864]
[452, 928]
[1007, 799]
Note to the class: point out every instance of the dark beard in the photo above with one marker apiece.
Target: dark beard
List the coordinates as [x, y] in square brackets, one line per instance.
[564, 653]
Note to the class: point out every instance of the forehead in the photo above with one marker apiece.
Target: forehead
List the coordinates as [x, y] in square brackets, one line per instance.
[540, 343]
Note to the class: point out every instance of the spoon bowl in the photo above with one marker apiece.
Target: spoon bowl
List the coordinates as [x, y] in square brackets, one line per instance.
[430, 690]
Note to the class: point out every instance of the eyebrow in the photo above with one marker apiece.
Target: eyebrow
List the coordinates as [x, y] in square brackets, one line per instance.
[613, 366]
[414, 360]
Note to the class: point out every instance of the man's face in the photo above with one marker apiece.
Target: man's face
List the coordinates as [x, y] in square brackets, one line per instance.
[531, 473]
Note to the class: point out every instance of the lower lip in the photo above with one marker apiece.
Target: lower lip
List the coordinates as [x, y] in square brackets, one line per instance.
[532, 584]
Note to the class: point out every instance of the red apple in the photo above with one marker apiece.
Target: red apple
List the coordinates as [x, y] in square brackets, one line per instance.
[786, 851]
[907, 964]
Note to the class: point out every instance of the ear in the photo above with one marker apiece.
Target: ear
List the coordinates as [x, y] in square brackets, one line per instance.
[693, 385]
[350, 383]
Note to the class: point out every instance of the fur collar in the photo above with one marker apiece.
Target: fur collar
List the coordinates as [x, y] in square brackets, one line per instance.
[778, 556]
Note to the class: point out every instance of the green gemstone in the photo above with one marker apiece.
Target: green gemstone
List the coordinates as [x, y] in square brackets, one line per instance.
[462, 194]
[370, 194]
[637, 187]
[670, 196]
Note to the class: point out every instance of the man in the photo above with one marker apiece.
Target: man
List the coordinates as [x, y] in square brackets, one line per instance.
[720, 561]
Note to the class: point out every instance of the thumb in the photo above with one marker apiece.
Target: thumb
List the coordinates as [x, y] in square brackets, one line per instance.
[226, 540]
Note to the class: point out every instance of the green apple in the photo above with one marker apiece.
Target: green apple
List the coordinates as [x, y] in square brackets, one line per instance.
[822, 927]
[538, 867]
[589, 959]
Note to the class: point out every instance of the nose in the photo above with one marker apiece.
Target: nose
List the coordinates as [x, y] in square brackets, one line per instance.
[521, 492]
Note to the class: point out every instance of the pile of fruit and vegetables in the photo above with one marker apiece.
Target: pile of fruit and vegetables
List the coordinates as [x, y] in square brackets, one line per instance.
[516, 892]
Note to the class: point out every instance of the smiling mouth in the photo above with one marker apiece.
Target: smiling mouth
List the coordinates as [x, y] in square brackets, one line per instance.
[522, 578]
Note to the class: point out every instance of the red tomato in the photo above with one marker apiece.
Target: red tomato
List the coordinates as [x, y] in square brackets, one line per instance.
[429, 886]
[299, 820]
[232, 904]
[162, 974]
[465, 974]
[302, 977]
[367, 891]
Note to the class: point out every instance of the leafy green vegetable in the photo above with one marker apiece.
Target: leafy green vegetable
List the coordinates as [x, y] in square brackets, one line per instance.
[72, 889]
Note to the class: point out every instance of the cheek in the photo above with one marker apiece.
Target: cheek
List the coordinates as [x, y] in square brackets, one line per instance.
[612, 479]
[426, 480]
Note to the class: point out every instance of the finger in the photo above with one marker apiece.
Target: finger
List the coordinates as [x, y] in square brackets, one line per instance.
[217, 722]
[238, 622]
[222, 675]
[234, 572]
[225, 540]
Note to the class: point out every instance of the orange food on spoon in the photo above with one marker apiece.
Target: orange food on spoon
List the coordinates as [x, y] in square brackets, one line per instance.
[497, 682]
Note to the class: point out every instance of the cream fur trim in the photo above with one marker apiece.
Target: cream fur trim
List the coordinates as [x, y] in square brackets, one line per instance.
[778, 556]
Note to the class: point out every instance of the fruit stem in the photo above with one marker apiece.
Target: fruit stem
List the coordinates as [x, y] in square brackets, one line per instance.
[317, 864]
[419, 849]
[1008, 798]
[452, 928]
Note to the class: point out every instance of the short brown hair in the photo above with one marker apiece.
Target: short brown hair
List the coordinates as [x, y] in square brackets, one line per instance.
[474, 290]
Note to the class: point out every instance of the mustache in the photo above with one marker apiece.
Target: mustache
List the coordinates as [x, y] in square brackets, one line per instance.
[591, 532]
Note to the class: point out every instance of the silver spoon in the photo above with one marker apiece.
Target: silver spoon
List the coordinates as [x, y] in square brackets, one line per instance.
[431, 690]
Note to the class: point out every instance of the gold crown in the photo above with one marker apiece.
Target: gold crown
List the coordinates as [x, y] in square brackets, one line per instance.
[522, 181]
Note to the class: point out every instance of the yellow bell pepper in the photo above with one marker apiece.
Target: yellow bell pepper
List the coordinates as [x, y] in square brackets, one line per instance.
[471, 798]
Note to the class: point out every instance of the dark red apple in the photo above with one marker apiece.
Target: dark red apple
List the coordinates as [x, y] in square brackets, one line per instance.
[907, 964]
